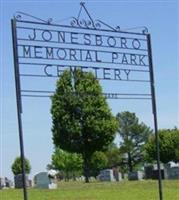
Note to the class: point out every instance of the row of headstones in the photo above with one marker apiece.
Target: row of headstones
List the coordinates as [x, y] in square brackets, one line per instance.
[150, 172]
[41, 180]
[167, 172]
[5, 183]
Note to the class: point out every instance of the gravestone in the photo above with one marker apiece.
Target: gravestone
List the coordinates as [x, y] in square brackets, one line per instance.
[45, 180]
[41, 180]
[106, 175]
[133, 176]
[18, 181]
[2, 183]
[117, 175]
[125, 176]
[8, 183]
[148, 171]
[30, 183]
[155, 174]
[173, 173]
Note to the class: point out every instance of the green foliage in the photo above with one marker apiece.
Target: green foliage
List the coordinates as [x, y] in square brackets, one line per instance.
[98, 162]
[69, 163]
[113, 155]
[17, 166]
[82, 120]
[169, 146]
[134, 135]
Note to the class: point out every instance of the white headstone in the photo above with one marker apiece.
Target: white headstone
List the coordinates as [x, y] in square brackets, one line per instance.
[45, 180]
[173, 173]
[138, 175]
[41, 180]
[106, 175]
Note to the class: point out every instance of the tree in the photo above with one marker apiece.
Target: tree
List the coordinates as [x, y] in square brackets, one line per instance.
[98, 162]
[69, 163]
[134, 135]
[169, 146]
[17, 166]
[82, 120]
[113, 155]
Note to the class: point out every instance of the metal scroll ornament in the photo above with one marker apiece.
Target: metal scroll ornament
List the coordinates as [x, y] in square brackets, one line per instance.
[82, 23]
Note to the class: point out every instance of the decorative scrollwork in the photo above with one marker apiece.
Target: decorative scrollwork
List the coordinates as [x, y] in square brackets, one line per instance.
[118, 28]
[74, 22]
[88, 23]
[82, 23]
[17, 16]
[50, 20]
[97, 25]
[145, 30]
[20, 15]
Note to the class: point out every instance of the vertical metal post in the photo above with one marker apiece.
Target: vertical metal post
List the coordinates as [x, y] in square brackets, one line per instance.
[19, 105]
[154, 114]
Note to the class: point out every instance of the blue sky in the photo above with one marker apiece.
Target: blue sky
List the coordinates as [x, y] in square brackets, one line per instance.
[161, 18]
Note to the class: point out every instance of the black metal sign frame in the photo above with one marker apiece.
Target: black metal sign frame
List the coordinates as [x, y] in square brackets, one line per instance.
[88, 43]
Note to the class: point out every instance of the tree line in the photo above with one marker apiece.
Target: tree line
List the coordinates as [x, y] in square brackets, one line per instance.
[84, 130]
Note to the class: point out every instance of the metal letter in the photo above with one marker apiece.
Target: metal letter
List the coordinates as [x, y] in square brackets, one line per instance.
[114, 56]
[61, 36]
[46, 35]
[141, 62]
[45, 70]
[26, 51]
[59, 56]
[49, 53]
[73, 38]
[105, 73]
[96, 55]
[136, 44]
[124, 59]
[123, 42]
[36, 52]
[87, 40]
[99, 41]
[111, 38]
[117, 73]
[34, 35]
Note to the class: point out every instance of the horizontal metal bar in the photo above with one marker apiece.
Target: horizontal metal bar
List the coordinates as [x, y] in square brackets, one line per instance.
[123, 94]
[103, 51]
[105, 46]
[38, 91]
[66, 26]
[83, 61]
[122, 98]
[111, 79]
[135, 70]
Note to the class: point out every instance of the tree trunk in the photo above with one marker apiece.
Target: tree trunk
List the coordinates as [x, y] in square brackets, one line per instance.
[130, 163]
[86, 168]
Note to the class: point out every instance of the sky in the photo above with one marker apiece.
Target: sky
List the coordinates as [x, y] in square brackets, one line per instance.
[161, 19]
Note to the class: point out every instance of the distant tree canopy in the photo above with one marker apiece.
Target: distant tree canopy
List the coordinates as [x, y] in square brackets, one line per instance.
[70, 163]
[17, 166]
[98, 162]
[114, 156]
[82, 120]
[169, 146]
[134, 135]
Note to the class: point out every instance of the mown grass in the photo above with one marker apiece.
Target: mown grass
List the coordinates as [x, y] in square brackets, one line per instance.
[135, 190]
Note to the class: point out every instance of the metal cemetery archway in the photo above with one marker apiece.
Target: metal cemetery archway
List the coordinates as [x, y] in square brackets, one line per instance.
[44, 49]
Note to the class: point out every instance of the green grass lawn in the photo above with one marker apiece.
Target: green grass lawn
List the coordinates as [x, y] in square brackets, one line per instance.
[135, 190]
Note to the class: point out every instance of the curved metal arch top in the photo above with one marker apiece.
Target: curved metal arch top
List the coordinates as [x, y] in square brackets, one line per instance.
[79, 21]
